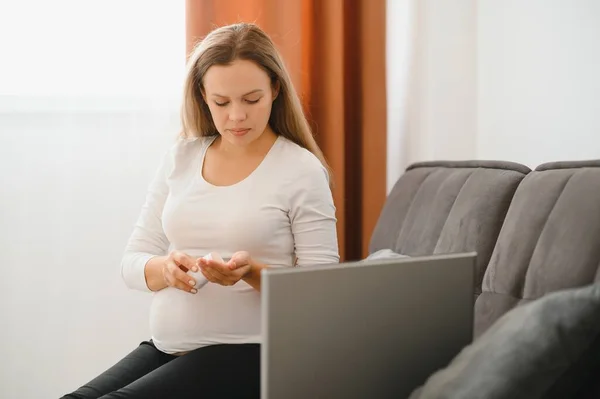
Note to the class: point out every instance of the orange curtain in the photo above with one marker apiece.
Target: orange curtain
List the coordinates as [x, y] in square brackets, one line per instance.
[335, 52]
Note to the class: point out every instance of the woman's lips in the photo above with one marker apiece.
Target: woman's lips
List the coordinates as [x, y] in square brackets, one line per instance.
[239, 132]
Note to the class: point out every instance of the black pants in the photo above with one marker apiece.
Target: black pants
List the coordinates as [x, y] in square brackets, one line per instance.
[218, 371]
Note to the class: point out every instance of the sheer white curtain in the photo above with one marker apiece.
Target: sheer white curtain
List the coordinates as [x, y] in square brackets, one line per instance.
[89, 97]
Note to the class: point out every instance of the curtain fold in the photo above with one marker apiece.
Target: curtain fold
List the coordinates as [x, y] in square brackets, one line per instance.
[335, 53]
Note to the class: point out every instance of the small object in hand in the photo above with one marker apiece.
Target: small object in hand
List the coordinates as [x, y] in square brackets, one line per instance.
[198, 276]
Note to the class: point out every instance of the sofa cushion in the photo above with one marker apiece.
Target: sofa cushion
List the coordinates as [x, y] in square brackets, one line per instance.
[448, 207]
[550, 239]
[545, 349]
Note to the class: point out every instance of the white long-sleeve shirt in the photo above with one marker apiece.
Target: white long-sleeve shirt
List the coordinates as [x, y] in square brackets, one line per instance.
[282, 210]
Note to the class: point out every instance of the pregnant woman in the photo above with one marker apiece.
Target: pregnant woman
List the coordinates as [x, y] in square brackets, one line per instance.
[244, 188]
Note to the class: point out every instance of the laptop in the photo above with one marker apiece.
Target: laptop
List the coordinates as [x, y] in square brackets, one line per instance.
[368, 329]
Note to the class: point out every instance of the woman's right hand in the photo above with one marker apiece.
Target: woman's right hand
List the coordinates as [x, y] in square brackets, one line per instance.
[175, 269]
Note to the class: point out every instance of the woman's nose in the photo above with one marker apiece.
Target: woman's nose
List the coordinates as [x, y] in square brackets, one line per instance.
[237, 113]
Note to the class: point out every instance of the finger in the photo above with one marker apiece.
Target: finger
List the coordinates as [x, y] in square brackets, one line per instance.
[239, 273]
[219, 270]
[209, 274]
[215, 270]
[220, 277]
[179, 279]
[183, 287]
[185, 260]
[232, 264]
[233, 270]
[201, 262]
[238, 259]
[235, 275]
[178, 274]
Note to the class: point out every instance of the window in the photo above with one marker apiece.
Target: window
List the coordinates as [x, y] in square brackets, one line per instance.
[85, 48]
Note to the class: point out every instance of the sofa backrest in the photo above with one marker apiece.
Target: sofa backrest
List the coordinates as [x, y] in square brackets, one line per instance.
[549, 241]
[448, 207]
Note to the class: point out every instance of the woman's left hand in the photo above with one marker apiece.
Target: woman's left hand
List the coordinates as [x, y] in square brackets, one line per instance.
[227, 273]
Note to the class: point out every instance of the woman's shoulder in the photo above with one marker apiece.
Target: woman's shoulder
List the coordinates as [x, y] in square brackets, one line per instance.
[298, 158]
[298, 163]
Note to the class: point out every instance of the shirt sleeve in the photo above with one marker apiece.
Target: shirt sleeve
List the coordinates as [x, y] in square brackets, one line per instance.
[148, 238]
[313, 220]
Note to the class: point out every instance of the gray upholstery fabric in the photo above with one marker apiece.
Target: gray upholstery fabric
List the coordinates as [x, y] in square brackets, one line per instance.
[569, 165]
[550, 239]
[448, 207]
[542, 350]
[502, 165]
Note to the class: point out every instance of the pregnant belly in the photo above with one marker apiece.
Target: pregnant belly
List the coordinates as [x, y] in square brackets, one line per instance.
[181, 321]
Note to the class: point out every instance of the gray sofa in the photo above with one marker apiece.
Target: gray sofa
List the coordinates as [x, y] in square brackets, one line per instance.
[536, 233]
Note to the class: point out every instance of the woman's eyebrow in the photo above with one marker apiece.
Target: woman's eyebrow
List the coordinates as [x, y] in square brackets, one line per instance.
[250, 92]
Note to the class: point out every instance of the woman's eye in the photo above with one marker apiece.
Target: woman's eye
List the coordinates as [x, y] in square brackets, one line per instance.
[218, 104]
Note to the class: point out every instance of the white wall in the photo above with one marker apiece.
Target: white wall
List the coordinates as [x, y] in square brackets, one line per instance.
[539, 80]
[400, 27]
[442, 103]
[432, 81]
[510, 80]
[73, 183]
[84, 120]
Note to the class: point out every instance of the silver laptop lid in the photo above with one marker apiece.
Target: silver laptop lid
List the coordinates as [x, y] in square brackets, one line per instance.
[370, 329]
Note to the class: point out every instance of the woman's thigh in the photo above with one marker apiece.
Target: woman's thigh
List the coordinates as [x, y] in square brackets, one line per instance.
[216, 371]
[141, 361]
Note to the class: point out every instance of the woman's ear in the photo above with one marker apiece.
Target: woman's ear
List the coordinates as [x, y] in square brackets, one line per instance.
[275, 89]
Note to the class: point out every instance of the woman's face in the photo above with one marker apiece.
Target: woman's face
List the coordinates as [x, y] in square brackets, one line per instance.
[239, 97]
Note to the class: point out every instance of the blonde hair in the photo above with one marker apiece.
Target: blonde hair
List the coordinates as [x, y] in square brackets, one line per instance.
[248, 42]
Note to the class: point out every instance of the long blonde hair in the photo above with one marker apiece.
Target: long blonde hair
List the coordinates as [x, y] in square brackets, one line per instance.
[244, 41]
